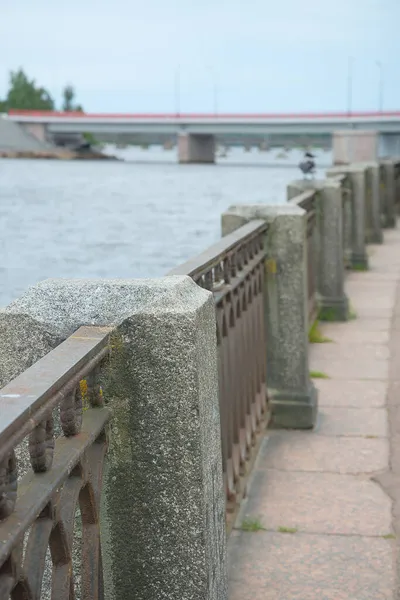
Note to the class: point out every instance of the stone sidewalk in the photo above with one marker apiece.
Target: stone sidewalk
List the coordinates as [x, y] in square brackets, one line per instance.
[323, 505]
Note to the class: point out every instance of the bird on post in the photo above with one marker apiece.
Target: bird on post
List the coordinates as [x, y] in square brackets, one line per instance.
[307, 166]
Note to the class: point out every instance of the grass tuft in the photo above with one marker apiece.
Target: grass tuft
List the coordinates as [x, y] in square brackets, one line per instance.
[318, 375]
[287, 529]
[252, 524]
[315, 336]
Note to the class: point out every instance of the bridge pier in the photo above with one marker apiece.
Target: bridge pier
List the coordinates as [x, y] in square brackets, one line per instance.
[196, 148]
[354, 146]
[389, 145]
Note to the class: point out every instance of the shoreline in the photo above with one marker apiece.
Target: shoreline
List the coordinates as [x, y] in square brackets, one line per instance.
[56, 155]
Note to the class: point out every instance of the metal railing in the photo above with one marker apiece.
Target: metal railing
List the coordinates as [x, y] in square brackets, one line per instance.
[233, 269]
[307, 201]
[64, 474]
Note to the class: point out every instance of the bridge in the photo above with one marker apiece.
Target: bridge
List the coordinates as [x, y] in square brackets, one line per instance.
[196, 133]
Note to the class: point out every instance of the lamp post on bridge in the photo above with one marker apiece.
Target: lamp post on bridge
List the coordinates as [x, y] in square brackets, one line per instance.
[178, 91]
[349, 85]
[380, 86]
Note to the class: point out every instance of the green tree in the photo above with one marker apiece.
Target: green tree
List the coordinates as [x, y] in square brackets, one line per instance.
[69, 97]
[25, 94]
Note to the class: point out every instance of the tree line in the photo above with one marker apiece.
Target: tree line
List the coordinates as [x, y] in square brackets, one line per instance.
[25, 94]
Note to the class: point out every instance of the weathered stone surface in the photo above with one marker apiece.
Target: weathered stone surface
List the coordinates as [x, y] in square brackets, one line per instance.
[279, 566]
[309, 451]
[163, 520]
[359, 257]
[389, 191]
[333, 302]
[327, 503]
[293, 396]
[18, 351]
[374, 221]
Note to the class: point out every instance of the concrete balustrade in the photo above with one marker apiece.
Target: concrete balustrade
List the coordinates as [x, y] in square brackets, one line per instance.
[163, 516]
[292, 394]
[163, 501]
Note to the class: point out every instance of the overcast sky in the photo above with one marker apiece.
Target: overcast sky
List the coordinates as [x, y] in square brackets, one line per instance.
[261, 55]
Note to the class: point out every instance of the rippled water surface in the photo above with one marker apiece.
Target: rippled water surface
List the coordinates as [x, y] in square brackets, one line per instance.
[137, 218]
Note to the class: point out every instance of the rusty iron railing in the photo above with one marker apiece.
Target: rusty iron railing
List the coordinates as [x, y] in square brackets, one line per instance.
[38, 511]
[307, 200]
[233, 269]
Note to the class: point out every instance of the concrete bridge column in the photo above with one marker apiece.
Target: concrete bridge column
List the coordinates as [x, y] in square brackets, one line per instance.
[37, 130]
[196, 148]
[354, 146]
[389, 145]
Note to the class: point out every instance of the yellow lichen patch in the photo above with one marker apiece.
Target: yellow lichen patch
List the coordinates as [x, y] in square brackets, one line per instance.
[83, 387]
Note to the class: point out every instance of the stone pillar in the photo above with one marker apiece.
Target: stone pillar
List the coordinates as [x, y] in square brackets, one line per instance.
[196, 148]
[356, 175]
[353, 145]
[389, 192]
[333, 302]
[374, 212]
[293, 396]
[163, 519]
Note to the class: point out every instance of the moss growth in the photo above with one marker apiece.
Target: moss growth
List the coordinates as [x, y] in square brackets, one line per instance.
[315, 336]
[355, 266]
[287, 529]
[318, 375]
[352, 313]
[327, 314]
[389, 536]
[252, 524]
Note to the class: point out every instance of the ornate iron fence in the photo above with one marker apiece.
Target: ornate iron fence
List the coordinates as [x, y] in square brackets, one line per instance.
[233, 269]
[64, 474]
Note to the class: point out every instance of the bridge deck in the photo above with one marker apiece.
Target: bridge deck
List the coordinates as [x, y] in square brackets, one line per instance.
[322, 497]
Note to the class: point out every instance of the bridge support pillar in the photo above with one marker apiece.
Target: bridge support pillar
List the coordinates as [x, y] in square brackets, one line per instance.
[36, 130]
[389, 145]
[293, 396]
[196, 148]
[354, 146]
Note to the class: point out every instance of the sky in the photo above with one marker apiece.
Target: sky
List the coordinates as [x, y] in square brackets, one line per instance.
[230, 56]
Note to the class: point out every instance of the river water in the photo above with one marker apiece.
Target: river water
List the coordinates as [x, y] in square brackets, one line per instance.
[137, 218]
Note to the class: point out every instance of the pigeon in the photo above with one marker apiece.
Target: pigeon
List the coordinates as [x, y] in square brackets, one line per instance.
[307, 166]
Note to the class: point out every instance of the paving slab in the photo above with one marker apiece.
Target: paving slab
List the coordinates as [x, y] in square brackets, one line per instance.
[339, 351]
[351, 393]
[336, 488]
[308, 451]
[361, 422]
[318, 503]
[343, 368]
[278, 566]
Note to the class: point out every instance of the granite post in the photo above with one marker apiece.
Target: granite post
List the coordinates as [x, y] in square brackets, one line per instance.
[356, 176]
[292, 394]
[389, 204]
[374, 212]
[332, 300]
[163, 515]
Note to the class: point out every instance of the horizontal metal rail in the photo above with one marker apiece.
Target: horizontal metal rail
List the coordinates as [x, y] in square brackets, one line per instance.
[38, 511]
[234, 270]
